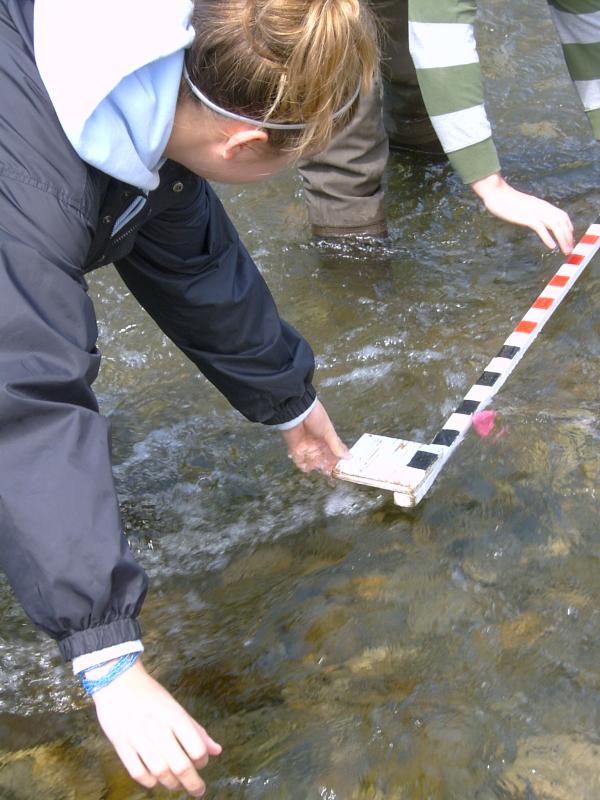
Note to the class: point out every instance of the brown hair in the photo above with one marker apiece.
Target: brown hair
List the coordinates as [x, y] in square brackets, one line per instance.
[284, 61]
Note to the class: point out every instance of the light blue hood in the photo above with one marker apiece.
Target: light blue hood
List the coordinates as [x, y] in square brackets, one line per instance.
[112, 70]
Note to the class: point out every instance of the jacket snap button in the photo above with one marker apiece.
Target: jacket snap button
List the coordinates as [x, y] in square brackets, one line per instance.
[107, 219]
[177, 186]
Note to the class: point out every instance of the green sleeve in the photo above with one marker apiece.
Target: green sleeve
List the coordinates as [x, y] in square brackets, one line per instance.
[442, 44]
[578, 25]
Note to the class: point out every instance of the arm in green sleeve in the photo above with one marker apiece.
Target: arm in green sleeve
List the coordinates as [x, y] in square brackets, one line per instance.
[578, 25]
[442, 45]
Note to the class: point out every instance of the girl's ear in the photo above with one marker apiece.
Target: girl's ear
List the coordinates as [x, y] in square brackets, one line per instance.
[238, 141]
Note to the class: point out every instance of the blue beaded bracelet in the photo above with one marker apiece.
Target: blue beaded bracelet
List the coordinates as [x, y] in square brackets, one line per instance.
[121, 665]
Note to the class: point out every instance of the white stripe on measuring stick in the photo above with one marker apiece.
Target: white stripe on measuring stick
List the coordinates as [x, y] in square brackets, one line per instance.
[567, 269]
[581, 248]
[498, 364]
[478, 393]
[457, 422]
[535, 315]
[516, 339]
[552, 291]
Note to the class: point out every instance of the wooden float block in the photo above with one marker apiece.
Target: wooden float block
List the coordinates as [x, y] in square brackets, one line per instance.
[382, 461]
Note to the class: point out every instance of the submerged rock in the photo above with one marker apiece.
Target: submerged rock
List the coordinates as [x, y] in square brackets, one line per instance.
[555, 768]
[54, 772]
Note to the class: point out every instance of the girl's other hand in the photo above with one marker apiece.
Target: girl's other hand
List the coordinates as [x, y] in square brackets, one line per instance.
[511, 205]
[314, 444]
[155, 738]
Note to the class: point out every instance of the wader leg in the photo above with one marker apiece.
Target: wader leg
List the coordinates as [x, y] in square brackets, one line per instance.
[343, 184]
[405, 116]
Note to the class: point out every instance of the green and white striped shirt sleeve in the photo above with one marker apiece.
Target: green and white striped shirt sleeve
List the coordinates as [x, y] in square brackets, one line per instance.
[442, 45]
[578, 26]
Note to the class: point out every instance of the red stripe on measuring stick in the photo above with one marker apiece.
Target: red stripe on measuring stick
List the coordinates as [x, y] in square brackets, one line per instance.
[525, 326]
[543, 302]
[589, 238]
[559, 280]
[574, 258]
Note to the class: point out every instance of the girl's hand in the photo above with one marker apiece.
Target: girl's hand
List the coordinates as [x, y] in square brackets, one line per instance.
[155, 738]
[314, 444]
[508, 204]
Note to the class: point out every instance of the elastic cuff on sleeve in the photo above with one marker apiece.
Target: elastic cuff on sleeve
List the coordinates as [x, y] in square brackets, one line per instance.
[99, 638]
[90, 660]
[476, 161]
[294, 408]
[285, 426]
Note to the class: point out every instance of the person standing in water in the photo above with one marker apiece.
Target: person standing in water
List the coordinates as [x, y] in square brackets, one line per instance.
[343, 185]
[443, 47]
[114, 116]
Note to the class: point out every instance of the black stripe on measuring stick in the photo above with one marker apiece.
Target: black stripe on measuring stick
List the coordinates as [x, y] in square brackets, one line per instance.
[446, 437]
[467, 407]
[508, 351]
[487, 378]
[422, 459]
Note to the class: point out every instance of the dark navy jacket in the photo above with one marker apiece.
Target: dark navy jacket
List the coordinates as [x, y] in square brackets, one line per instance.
[61, 542]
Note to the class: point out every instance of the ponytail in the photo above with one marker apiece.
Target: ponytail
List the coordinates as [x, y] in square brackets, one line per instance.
[285, 61]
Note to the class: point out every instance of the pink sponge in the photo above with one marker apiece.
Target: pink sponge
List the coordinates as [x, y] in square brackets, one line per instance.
[484, 423]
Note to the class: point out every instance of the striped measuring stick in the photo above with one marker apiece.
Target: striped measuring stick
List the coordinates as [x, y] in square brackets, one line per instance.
[429, 459]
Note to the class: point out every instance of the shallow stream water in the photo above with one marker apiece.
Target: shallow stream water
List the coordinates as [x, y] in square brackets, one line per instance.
[337, 646]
